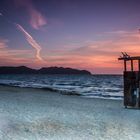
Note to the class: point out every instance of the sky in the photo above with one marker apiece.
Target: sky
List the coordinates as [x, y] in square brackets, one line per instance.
[82, 34]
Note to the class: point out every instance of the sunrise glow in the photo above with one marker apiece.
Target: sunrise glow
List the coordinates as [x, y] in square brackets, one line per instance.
[69, 34]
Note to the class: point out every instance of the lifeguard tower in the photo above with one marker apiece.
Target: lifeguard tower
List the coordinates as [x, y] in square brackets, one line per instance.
[131, 81]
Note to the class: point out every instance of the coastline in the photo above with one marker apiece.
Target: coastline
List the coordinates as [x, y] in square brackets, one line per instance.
[62, 91]
[28, 113]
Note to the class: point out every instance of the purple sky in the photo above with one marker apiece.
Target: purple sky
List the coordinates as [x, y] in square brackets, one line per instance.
[84, 34]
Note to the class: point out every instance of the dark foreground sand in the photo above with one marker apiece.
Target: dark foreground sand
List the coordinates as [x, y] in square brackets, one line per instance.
[34, 114]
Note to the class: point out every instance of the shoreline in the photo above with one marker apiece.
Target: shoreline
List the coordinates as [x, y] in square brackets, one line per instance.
[65, 92]
[30, 114]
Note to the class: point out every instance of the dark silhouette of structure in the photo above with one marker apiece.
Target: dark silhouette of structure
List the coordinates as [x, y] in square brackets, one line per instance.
[131, 81]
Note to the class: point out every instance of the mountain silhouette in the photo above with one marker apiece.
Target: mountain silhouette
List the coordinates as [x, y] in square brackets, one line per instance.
[45, 70]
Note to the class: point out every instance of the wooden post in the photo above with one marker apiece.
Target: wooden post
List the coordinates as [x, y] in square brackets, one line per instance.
[138, 65]
[125, 69]
[139, 83]
[131, 65]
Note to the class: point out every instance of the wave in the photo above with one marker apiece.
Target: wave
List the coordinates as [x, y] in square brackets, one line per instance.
[37, 86]
[66, 89]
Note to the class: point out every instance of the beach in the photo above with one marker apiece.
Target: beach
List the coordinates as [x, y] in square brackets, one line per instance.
[38, 114]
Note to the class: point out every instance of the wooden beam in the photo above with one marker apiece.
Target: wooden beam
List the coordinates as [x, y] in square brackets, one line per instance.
[131, 65]
[138, 65]
[125, 68]
[129, 58]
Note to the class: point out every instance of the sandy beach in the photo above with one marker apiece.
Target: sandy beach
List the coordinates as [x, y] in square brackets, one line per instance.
[35, 114]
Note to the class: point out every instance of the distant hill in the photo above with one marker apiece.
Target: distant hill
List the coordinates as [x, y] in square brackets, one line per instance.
[46, 70]
[16, 70]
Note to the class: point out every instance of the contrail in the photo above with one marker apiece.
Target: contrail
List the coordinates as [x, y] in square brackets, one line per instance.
[29, 38]
[31, 41]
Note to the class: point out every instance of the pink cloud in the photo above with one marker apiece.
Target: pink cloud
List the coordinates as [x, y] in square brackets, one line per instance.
[37, 20]
[12, 57]
[3, 43]
[97, 56]
[100, 56]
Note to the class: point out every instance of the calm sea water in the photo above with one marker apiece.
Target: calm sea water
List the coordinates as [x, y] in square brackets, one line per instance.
[91, 86]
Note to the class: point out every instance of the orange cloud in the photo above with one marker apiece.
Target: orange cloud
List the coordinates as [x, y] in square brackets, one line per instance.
[96, 56]
[12, 57]
[15, 57]
[100, 56]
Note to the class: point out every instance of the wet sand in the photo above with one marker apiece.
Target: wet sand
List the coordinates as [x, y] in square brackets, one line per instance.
[35, 114]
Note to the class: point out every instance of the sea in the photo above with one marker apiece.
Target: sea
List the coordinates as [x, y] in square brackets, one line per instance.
[88, 86]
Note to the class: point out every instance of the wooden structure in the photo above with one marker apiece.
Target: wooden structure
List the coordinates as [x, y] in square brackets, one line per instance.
[131, 81]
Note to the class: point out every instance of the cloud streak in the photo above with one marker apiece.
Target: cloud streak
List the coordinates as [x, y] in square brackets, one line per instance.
[101, 56]
[98, 56]
[13, 57]
[3, 43]
[37, 20]
[31, 41]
